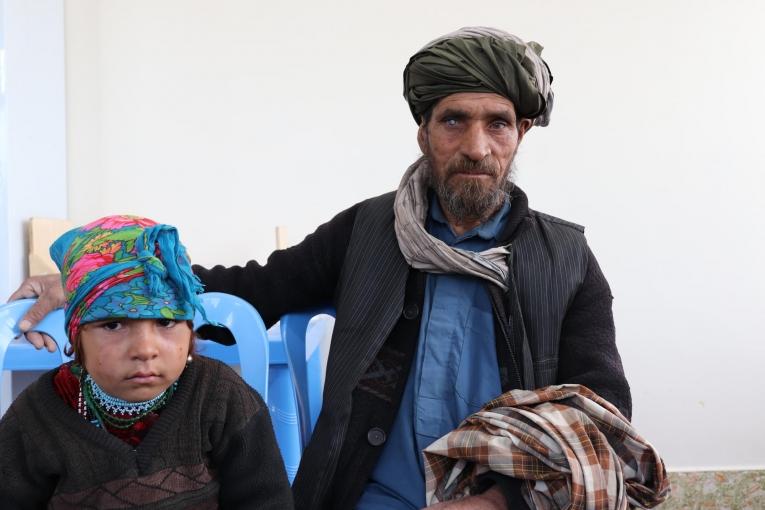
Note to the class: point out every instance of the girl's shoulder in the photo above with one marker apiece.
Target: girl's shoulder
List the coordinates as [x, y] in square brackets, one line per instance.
[224, 389]
[212, 370]
[38, 418]
[39, 395]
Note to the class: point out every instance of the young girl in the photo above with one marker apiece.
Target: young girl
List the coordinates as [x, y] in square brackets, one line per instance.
[137, 420]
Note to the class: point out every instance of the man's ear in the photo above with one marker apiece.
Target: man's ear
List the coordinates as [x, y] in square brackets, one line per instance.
[523, 126]
[422, 137]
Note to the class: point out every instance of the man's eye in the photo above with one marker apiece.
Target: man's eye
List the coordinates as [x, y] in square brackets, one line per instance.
[450, 122]
[166, 323]
[499, 124]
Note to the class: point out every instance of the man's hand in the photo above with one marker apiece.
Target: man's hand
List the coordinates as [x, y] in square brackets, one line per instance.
[50, 295]
[492, 499]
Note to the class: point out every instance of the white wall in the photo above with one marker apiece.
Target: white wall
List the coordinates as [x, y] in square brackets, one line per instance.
[32, 136]
[228, 118]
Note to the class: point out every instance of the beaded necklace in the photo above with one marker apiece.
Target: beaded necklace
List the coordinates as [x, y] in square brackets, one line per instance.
[100, 408]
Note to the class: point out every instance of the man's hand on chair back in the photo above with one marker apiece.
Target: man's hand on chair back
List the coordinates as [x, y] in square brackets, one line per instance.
[50, 295]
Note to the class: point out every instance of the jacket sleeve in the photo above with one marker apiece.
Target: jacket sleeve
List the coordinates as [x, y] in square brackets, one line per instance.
[588, 353]
[299, 277]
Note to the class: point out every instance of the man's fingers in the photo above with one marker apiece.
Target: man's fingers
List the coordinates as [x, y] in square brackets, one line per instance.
[36, 339]
[51, 298]
[42, 286]
[22, 292]
[50, 344]
[50, 295]
[40, 340]
[36, 312]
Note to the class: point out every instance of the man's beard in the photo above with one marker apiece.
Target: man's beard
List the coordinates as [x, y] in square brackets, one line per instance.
[470, 199]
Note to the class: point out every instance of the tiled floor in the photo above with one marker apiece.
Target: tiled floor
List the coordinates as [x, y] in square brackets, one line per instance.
[717, 490]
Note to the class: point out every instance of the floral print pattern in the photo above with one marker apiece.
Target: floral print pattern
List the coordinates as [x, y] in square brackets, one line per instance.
[125, 267]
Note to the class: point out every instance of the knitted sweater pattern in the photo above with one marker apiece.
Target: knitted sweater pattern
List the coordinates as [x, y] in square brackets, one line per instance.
[212, 446]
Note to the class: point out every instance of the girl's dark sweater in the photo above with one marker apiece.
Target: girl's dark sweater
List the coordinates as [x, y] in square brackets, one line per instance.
[213, 446]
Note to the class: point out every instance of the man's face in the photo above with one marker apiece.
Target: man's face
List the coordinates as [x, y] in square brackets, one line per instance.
[470, 141]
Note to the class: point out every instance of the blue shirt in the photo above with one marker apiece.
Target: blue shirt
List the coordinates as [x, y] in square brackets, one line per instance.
[453, 374]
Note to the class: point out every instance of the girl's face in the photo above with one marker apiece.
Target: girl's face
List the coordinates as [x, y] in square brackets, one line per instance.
[135, 359]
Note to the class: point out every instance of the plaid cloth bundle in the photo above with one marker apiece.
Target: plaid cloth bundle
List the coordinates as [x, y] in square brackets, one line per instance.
[574, 449]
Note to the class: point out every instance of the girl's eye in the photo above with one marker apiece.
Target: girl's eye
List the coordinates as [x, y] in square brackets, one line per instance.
[166, 323]
[112, 325]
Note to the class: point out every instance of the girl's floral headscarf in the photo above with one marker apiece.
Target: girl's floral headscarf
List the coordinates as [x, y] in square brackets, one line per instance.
[125, 267]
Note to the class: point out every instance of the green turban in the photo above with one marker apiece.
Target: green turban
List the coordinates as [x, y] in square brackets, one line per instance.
[480, 59]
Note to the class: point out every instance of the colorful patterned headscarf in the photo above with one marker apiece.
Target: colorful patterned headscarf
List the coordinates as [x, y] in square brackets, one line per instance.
[480, 59]
[125, 267]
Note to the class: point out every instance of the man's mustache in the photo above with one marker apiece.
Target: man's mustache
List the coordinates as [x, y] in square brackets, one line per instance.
[468, 166]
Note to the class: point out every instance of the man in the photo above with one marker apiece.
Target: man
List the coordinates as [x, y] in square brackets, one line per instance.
[448, 292]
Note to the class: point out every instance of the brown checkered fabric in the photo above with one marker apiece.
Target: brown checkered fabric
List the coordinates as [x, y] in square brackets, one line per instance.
[574, 449]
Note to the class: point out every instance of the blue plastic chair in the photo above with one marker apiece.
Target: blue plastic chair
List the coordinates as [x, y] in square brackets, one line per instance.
[265, 368]
[281, 405]
[21, 355]
[305, 368]
[248, 329]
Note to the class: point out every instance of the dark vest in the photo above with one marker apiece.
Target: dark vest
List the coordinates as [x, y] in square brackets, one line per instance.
[379, 298]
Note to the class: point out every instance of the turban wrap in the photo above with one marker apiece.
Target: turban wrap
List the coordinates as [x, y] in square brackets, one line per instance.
[480, 59]
[125, 267]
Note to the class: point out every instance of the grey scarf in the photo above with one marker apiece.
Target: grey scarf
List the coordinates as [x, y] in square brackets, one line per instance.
[423, 251]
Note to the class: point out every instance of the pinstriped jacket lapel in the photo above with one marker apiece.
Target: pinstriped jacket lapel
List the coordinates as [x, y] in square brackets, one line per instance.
[371, 297]
[373, 282]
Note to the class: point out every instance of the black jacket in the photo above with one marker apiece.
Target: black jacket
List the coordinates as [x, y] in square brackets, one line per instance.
[554, 325]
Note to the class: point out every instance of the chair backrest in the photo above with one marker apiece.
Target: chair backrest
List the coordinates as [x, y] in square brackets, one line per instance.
[251, 349]
[21, 354]
[305, 368]
[262, 367]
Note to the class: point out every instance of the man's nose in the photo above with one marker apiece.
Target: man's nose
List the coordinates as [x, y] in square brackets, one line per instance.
[475, 143]
[144, 340]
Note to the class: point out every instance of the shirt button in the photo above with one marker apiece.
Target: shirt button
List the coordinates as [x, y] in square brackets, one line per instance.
[376, 436]
[411, 311]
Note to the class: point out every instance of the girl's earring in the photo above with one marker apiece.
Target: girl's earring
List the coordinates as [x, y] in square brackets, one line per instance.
[189, 359]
